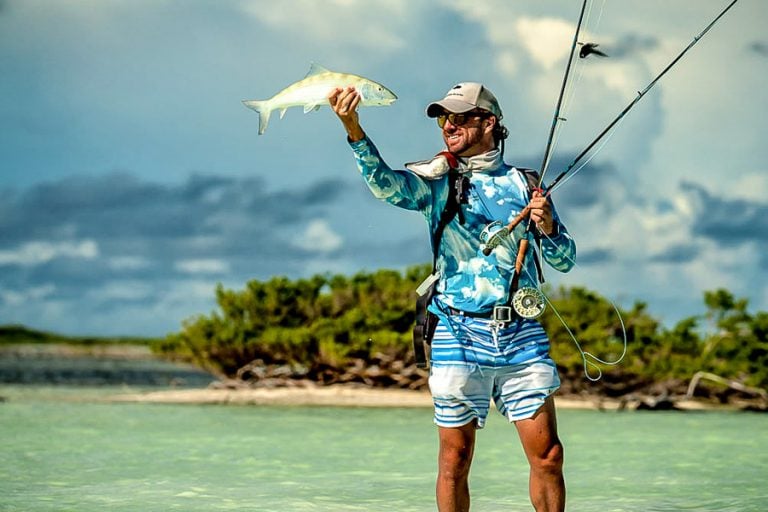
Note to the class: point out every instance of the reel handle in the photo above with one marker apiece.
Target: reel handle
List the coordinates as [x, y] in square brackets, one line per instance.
[494, 240]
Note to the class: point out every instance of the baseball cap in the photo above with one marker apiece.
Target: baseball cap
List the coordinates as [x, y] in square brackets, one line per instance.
[464, 97]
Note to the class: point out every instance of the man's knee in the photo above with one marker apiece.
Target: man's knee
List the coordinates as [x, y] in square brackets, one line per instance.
[549, 460]
[455, 454]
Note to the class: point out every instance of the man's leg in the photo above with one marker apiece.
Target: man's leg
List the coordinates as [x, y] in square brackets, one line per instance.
[545, 456]
[456, 448]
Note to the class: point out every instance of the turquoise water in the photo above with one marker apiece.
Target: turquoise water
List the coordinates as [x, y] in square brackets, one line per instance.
[63, 454]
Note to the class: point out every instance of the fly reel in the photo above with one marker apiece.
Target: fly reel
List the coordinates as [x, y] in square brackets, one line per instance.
[492, 235]
[528, 302]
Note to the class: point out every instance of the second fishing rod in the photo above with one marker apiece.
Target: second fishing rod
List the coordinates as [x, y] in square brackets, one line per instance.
[495, 232]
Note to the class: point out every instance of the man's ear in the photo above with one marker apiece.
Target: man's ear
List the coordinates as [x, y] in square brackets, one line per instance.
[491, 125]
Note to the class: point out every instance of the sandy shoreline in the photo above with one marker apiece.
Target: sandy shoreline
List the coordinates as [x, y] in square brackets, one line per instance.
[336, 395]
[342, 396]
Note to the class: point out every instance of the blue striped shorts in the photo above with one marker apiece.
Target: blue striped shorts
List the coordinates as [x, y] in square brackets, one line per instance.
[471, 365]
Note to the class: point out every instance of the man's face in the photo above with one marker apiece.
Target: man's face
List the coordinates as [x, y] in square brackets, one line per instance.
[467, 134]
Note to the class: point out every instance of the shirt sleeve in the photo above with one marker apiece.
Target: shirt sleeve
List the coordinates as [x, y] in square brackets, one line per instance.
[397, 187]
[559, 251]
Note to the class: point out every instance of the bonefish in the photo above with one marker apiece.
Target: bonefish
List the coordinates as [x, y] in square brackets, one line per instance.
[312, 92]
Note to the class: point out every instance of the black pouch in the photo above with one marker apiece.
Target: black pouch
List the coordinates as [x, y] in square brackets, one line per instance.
[426, 322]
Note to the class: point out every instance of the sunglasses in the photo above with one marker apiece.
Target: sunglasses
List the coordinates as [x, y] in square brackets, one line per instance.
[459, 119]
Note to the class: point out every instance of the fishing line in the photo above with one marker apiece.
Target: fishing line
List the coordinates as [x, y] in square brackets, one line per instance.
[552, 188]
[579, 71]
[570, 95]
[600, 15]
[588, 359]
[556, 117]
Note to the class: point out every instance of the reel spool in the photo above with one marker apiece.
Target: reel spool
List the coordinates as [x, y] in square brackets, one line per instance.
[528, 302]
[492, 235]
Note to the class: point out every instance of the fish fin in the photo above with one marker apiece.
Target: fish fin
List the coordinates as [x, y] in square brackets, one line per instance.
[316, 69]
[309, 107]
[282, 112]
[264, 110]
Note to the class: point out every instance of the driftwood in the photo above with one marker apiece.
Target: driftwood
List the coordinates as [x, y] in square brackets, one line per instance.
[389, 371]
[732, 384]
[382, 371]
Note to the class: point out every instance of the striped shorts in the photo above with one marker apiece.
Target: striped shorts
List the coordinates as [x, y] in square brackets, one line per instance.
[474, 362]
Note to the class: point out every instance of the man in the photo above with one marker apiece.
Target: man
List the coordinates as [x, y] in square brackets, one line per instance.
[478, 354]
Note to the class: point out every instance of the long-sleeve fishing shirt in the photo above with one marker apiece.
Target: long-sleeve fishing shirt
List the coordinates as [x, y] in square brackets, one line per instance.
[470, 281]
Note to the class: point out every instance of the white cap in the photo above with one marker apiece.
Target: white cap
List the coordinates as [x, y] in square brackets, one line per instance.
[464, 97]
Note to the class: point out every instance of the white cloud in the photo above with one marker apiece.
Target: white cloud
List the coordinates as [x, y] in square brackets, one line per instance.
[128, 263]
[750, 186]
[122, 290]
[202, 266]
[21, 297]
[338, 21]
[547, 40]
[319, 236]
[35, 253]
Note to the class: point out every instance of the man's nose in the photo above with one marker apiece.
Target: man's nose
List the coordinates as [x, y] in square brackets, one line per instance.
[449, 126]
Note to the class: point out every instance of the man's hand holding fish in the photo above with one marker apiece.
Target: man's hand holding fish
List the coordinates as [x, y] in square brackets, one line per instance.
[344, 102]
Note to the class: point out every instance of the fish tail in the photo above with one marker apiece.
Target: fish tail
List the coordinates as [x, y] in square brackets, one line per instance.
[264, 109]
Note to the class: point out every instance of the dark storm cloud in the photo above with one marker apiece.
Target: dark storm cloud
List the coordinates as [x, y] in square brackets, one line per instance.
[595, 256]
[408, 251]
[143, 229]
[630, 44]
[760, 48]
[120, 206]
[677, 254]
[587, 186]
[727, 220]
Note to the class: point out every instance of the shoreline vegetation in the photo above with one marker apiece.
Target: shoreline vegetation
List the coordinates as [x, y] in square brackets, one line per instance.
[313, 337]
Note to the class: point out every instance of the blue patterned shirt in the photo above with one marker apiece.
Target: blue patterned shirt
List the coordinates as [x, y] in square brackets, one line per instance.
[470, 281]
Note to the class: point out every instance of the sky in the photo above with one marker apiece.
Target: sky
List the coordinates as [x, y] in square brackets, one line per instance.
[134, 181]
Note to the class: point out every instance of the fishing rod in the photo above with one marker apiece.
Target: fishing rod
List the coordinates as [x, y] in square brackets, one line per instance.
[535, 305]
[528, 301]
[495, 232]
[634, 102]
[556, 118]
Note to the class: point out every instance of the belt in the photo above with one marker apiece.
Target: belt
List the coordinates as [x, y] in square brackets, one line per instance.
[497, 314]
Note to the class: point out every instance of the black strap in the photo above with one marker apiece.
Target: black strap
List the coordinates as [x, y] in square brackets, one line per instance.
[426, 322]
[458, 188]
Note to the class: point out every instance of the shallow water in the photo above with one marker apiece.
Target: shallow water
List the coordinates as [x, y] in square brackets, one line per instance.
[62, 450]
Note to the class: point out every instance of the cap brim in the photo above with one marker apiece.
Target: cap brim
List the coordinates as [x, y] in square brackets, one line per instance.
[449, 104]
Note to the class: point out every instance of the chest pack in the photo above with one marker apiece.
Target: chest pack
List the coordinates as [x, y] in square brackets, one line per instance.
[426, 321]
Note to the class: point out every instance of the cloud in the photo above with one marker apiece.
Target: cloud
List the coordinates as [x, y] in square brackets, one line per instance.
[118, 209]
[318, 236]
[202, 266]
[21, 297]
[760, 48]
[34, 253]
[727, 220]
[547, 40]
[629, 45]
[595, 256]
[588, 187]
[337, 21]
[107, 241]
[686, 253]
[128, 263]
